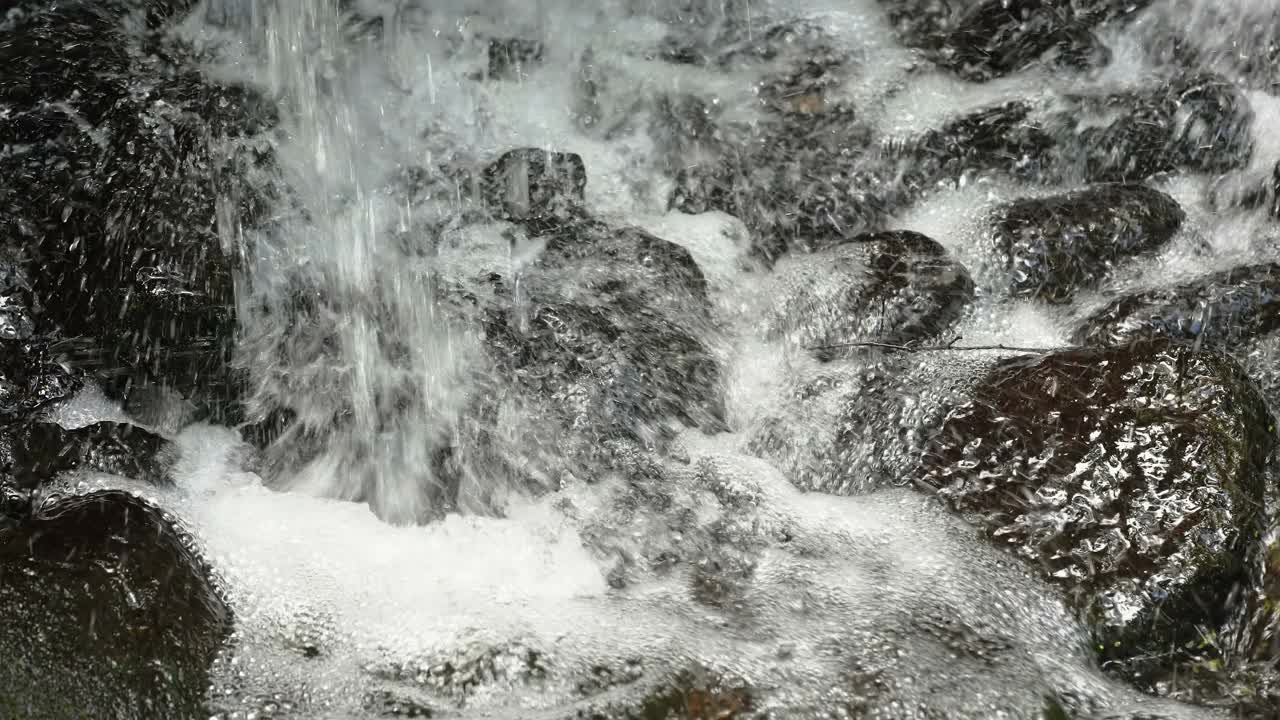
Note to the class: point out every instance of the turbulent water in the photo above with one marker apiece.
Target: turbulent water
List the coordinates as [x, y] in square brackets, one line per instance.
[365, 583]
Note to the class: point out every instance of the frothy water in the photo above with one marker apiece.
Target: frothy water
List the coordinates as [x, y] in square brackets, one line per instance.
[513, 607]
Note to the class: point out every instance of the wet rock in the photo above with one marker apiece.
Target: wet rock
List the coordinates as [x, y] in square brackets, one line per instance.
[1054, 245]
[1131, 477]
[736, 39]
[609, 372]
[110, 614]
[593, 262]
[388, 704]
[1222, 310]
[509, 58]
[895, 287]
[126, 167]
[686, 130]
[32, 374]
[34, 452]
[1199, 122]
[920, 23]
[532, 184]
[1003, 138]
[1239, 41]
[696, 695]
[860, 423]
[998, 37]
[801, 182]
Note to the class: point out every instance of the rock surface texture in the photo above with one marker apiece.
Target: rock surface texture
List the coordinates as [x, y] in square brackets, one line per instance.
[1131, 477]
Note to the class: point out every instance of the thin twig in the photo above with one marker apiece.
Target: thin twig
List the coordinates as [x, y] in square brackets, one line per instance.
[932, 348]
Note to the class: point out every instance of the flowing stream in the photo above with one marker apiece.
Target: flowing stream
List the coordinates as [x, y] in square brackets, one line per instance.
[365, 583]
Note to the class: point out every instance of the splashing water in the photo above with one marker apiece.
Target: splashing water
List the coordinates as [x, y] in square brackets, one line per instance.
[522, 603]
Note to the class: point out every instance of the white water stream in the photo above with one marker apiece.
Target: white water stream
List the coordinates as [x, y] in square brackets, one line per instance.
[333, 603]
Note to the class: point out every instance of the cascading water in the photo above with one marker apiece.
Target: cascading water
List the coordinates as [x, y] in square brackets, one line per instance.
[564, 527]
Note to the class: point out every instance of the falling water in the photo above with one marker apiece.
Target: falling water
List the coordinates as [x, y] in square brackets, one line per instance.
[390, 549]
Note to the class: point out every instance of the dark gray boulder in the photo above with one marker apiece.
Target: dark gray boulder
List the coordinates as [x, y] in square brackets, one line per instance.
[998, 37]
[124, 167]
[1051, 246]
[110, 613]
[1003, 138]
[1131, 477]
[31, 453]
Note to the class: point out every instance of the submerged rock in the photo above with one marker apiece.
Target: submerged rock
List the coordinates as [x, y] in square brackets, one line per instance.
[895, 287]
[1199, 122]
[1054, 245]
[1222, 310]
[858, 425]
[592, 262]
[1001, 138]
[1131, 477]
[509, 58]
[532, 184]
[595, 373]
[109, 614]
[801, 182]
[998, 37]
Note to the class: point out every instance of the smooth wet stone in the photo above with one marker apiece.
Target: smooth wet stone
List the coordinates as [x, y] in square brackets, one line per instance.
[1130, 477]
[1052, 246]
[109, 613]
[894, 287]
[509, 58]
[1221, 310]
[34, 452]
[1198, 122]
[124, 168]
[533, 184]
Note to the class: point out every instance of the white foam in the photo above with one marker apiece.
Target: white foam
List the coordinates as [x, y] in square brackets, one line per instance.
[304, 569]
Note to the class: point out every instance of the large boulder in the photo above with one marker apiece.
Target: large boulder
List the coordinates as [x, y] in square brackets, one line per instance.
[1131, 477]
[127, 173]
[1051, 246]
[1222, 310]
[110, 613]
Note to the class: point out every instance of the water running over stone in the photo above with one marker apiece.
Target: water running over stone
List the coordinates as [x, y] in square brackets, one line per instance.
[406, 359]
